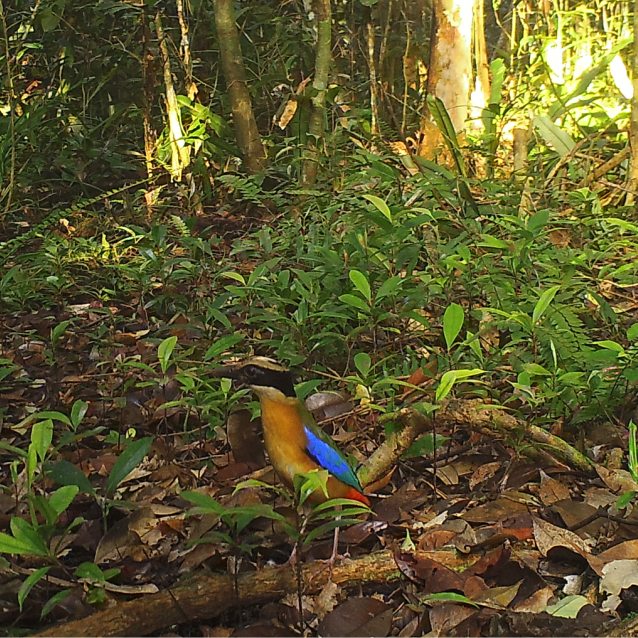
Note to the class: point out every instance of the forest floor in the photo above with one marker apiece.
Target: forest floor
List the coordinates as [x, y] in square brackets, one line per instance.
[487, 537]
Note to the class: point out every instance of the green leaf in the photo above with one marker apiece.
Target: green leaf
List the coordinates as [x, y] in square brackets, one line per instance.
[567, 607]
[58, 331]
[56, 416]
[363, 363]
[11, 545]
[91, 572]
[77, 412]
[361, 283]
[164, 351]
[424, 446]
[554, 136]
[26, 533]
[449, 379]
[355, 301]
[632, 332]
[222, 345]
[610, 345]
[489, 241]
[380, 205]
[452, 323]
[53, 601]
[235, 276]
[66, 473]
[41, 437]
[389, 287]
[29, 583]
[128, 461]
[63, 497]
[205, 504]
[625, 499]
[543, 303]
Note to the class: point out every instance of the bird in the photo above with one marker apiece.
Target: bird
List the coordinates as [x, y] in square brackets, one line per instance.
[293, 441]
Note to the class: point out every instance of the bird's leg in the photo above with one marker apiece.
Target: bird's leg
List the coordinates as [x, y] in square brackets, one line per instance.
[335, 547]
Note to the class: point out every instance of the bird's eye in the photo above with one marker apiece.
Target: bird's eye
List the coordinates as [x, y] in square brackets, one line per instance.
[251, 371]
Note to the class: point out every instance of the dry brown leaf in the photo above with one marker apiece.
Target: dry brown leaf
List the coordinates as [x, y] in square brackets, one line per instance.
[358, 617]
[537, 602]
[551, 491]
[616, 480]
[484, 472]
[494, 511]
[617, 576]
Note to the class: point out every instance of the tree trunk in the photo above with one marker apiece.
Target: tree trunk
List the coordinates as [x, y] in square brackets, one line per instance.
[451, 58]
[481, 92]
[633, 125]
[246, 132]
[180, 153]
[323, 19]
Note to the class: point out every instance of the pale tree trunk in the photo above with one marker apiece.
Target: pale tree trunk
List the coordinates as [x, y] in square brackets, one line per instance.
[323, 20]
[450, 71]
[633, 125]
[180, 153]
[150, 136]
[246, 132]
[481, 93]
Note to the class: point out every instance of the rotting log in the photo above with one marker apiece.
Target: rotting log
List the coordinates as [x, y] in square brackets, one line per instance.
[476, 415]
[209, 595]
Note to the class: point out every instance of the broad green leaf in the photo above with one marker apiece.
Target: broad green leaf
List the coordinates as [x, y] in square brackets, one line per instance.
[632, 332]
[489, 241]
[543, 303]
[625, 499]
[222, 345]
[537, 370]
[361, 283]
[165, 350]
[11, 545]
[424, 446]
[55, 416]
[78, 411]
[363, 363]
[554, 136]
[130, 458]
[90, 571]
[610, 345]
[567, 607]
[306, 483]
[41, 437]
[29, 583]
[452, 323]
[63, 497]
[23, 531]
[449, 379]
[380, 205]
[58, 331]
[389, 287]
[235, 276]
[203, 502]
[66, 473]
[355, 301]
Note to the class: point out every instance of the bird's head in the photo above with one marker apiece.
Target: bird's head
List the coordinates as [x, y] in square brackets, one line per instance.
[267, 378]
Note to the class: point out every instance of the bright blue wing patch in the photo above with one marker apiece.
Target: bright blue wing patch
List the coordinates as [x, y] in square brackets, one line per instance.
[331, 459]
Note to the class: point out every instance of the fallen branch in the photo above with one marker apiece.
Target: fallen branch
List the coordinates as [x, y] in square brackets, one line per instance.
[478, 416]
[209, 595]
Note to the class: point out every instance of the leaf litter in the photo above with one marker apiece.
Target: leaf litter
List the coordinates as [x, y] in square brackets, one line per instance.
[500, 545]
